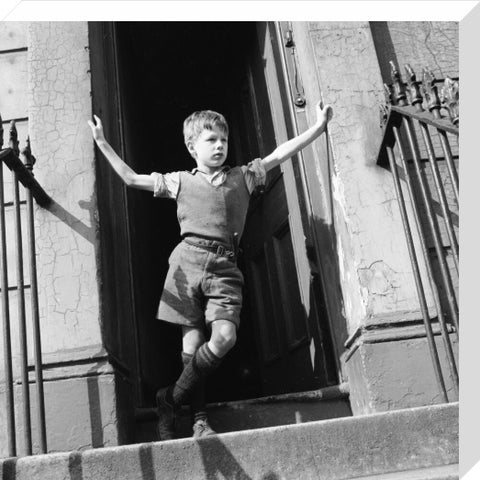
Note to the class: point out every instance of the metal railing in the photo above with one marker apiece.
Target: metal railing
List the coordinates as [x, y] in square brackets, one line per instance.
[21, 165]
[420, 148]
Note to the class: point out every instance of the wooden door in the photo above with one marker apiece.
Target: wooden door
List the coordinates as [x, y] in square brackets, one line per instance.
[284, 325]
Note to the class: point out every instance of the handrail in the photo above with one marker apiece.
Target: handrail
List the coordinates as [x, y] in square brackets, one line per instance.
[426, 117]
[25, 176]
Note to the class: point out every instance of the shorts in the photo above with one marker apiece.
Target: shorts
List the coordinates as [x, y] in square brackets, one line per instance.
[201, 287]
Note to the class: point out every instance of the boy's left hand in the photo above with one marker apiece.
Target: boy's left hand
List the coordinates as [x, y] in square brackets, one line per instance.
[324, 113]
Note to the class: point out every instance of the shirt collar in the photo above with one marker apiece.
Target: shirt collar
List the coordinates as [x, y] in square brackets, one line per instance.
[225, 169]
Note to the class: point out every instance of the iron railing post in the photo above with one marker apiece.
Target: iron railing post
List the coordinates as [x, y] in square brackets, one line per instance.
[452, 171]
[441, 192]
[21, 173]
[28, 160]
[452, 301]
[22, 319]
[428, 263]
[400, 120]
[434, 105]
[7, 346]
[22, 329]
[416, 275]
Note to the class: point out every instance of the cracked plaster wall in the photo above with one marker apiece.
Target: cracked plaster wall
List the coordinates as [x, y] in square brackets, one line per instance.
[48, 86]
[59, 106]
[79, 415]
[420, 44]
[374, 266]
[338, 62]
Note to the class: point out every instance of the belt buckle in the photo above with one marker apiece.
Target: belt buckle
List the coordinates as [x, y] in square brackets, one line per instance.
[223, 252]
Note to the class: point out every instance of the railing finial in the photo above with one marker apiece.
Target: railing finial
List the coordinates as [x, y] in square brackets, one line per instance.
[450, 98]
[29, 159]
[1, 133]
[388, 91]
[385, 109]
[399, 96]
[431, 92]
[13, 138]
[416, 98]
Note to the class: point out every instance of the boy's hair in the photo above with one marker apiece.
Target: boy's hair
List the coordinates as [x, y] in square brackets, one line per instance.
[194, 124]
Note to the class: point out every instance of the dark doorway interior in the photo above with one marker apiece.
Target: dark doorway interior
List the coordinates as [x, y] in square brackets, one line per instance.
[167, 71]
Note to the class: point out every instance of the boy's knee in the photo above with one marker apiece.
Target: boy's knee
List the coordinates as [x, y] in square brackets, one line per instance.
[224, 335]
[192, 340]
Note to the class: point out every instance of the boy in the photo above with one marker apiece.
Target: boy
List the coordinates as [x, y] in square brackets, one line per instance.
[204, 285]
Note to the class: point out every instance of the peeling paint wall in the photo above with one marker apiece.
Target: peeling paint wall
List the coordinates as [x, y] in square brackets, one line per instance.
[346, 64]
[420, 44]
[60, 104]
[47, 85]
[375, 272]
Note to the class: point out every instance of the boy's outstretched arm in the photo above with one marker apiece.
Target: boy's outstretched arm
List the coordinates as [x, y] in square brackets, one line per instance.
[127, 174]
[291, 147]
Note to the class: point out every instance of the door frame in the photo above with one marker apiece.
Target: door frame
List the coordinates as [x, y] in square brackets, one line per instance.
[287, 118]
[107, 103]
[285, 126]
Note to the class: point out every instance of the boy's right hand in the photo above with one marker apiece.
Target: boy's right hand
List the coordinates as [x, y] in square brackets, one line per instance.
[97, 129]
[324, 113]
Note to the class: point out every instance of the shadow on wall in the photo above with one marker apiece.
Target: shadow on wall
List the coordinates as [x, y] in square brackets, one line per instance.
[88, 233]
[326, 292]
[8, 469]
[95, 408]
[75, 466]
[384, 48]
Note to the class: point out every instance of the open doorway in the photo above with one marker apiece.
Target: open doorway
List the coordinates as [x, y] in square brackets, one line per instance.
[165, 72]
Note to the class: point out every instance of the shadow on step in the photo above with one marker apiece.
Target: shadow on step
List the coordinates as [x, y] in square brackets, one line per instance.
[217, 460]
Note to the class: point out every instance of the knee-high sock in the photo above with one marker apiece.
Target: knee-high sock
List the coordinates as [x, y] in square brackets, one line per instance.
[203, 363]
[198, 408]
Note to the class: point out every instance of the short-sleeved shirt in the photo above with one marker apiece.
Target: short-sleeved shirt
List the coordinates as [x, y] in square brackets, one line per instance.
[167, 185]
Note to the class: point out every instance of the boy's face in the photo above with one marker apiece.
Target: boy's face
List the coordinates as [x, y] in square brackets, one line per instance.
[209, 149]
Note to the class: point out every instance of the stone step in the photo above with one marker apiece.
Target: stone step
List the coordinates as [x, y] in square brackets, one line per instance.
[338, 449]
[445, 472]
[271, 411]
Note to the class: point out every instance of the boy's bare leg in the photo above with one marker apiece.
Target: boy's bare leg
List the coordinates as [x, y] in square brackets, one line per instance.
[192, 339]
[224, 337]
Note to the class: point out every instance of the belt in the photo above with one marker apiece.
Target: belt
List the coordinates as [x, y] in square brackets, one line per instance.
[220, 250]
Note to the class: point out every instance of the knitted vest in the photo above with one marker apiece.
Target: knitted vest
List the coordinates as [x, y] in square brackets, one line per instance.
[212, 212]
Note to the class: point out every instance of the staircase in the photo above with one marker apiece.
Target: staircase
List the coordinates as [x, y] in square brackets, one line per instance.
[414, 444]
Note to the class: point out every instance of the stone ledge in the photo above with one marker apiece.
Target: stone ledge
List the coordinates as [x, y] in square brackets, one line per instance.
[344, 448]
